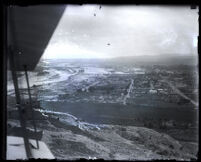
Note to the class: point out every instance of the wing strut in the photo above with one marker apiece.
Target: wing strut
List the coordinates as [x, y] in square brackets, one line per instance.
[30, 102]
[21, 111]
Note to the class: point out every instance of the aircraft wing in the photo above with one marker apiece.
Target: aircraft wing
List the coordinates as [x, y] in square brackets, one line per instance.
[29, 31]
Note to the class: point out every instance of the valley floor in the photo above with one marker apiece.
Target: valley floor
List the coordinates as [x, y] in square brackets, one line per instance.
[109, 142]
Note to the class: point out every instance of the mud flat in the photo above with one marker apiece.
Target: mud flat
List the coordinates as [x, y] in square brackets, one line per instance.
[101, 113]
[179, 122]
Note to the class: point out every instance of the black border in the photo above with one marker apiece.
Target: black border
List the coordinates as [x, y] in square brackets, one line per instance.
[137, 2]
[3, 57]
[3, 83]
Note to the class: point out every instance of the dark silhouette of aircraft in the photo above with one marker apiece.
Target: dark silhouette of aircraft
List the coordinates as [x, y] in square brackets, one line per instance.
[23, 56]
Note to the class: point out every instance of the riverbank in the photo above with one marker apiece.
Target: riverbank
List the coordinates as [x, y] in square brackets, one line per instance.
[70, 138]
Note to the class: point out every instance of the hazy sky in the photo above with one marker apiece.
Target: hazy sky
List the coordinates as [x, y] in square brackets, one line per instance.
[89, 31]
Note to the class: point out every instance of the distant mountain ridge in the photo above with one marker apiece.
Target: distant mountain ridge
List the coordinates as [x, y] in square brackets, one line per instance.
[168, 59]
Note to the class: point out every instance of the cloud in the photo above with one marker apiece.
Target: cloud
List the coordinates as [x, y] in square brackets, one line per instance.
[130, 30]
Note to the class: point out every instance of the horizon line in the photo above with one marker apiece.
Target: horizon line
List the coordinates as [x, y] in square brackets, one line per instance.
[108, 58]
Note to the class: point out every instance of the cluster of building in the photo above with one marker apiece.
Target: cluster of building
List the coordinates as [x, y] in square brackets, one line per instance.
[152, 84]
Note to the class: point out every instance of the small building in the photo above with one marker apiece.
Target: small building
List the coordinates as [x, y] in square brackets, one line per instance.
[152, 91]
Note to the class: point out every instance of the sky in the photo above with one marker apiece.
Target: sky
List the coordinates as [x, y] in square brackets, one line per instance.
[91, 31]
